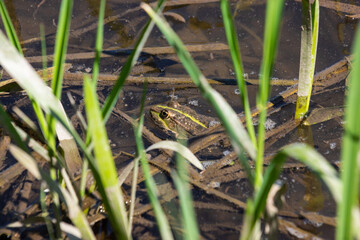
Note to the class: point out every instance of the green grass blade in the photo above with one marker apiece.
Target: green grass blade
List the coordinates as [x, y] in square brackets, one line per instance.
[236, 58]
[59, 60]
[39, 114]
[189, 223]
[104, 163]
[99, 41]
[350, 150]
[271, 35]
[179, 148]
[309, 39]
[62, 36]
[238, 135]
[133, 191]
[9, 27]
[150, 184]
[135, 165]
[114, 94]
[160, 216]
[180, 177]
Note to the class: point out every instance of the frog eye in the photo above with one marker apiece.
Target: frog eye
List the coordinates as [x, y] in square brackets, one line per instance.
[164, 114]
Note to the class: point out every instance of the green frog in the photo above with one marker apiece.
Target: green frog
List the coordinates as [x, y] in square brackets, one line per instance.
[179, 121]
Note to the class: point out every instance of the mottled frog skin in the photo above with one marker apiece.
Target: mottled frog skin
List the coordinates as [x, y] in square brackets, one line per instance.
[178, 120]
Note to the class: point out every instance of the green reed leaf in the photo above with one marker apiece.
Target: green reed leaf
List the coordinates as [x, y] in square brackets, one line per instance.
[104, 163]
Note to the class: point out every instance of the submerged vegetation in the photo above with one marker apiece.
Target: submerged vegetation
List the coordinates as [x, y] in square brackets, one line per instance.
[75, 160]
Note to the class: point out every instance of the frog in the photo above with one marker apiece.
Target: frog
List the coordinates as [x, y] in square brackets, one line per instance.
[179, 121]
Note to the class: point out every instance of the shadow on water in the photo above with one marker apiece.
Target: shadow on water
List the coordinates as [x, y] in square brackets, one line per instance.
[222, 189]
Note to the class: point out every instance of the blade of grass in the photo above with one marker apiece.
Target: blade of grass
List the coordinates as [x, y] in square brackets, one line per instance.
[62, 36]
[114, 94]
[136, 165]
[9, 27]
[99, 41]
[133, 192]
[272, 31]
[236, 58]
[180, 177]
[114, 202]
[59, 60]
[350, 150]
[39, 114]
[160, 216]
[163, 224]
[238, 135]
[179, 148]
[309, 39]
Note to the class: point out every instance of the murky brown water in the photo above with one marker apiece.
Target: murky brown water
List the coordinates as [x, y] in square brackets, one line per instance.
[201, 24]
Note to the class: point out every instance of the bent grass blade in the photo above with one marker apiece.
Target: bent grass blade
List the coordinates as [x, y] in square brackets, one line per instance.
[179, 148]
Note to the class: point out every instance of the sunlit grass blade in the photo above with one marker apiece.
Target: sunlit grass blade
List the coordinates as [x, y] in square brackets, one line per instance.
[236, 58]
[105, 165]
[180, 149]
[309, 39]
[163, 224]
[271, 35]
[350, 150]
[75, 213]
[27, 78]
[125, 71]
[9, 27]
[238, 135]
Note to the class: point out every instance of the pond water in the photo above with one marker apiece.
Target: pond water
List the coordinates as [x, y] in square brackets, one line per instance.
[198, 23]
